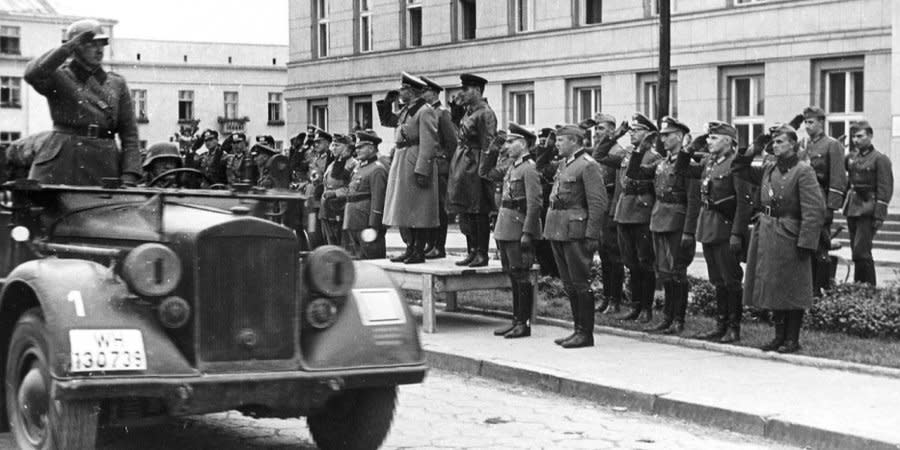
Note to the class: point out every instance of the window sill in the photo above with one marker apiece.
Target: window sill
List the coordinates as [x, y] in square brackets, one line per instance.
[142, 120]
[187, 122]
[275, 123]
[19, 106]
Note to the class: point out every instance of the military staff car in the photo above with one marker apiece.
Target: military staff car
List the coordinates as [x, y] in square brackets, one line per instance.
[121, 305]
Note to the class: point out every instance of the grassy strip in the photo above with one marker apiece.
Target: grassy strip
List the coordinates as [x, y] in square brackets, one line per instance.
[837, 346]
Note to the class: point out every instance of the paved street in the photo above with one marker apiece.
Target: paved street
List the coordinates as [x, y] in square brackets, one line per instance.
[452, 412]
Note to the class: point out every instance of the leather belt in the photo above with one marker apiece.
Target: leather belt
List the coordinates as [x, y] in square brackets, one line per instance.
[406, 144]
[561, 206]
[89, 131]
[776, 213]
[673, 197]
[518, 205]
[638, 190]
[352, 198]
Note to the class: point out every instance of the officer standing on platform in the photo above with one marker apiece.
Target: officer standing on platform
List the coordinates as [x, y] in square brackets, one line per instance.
[721, 225]
[609, 154]
[469, 195]
[334, 194]
[518, 222]
[365, 199]
[672, 222]
[633, 220]
[89, 107]
[871, 189]
[544, 154]
[411, 197]
[577, 205]
[447, 136]
[826, 156]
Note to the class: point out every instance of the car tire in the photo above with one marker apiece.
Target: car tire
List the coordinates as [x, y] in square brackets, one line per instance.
[53, 425]
[355, 419]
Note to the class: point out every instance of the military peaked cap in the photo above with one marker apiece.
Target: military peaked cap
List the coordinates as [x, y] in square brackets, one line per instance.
[210, 134]
[468, 79]
[813, 112]
[367, 137]
[604, 118]
[516, 130]
[409, 80]
[264, 148]
[323, 136]
[672, 125]
[265, 139]
[341, 139]
[545, 132]
[587, 124]
[570, 130]
[639, 120]
[432, 84]
[238, 137]
[721, 128]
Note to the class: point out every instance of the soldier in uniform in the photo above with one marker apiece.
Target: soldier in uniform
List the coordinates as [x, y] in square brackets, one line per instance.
[721, 225]
[212, 157]
[411, 196]
[577, 205]
[609, 154]
[468, 194]
[785, 237]
[826, 156]
[365, 199]
[162, 157]
[274, 171]
[672, 221]
[317, 159]
[447, 135]
[334, 194]
[871, 189]
[544, 154]
[239, 165]
[632, 217]
[518, 223]
[89, 107]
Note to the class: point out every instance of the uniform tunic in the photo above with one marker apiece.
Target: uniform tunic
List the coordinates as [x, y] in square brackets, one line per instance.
[240, 168]
[89, 108]
[632, 216]
[467, 192]
[406, 204]
[826, 156]
[778, 270]
[610, 160]
[365, 207]
[520, 213]
[871, 189]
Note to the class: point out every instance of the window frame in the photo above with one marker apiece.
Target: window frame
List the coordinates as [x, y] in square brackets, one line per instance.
[582, 9]
[139, 98]
[460, 24]
[409, 31]
[8, 137]
[320, 14]
[754, 123]
[274, 100]
[357, 102]
[9, 35]
[13, 88]
[511, 92]
[821, 92]
[650, 81]
[515, 9]
[182, 99]
[313, 105]
[236, 102]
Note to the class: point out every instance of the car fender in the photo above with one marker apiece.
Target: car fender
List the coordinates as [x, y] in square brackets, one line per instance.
[81, 294]
[351, 343]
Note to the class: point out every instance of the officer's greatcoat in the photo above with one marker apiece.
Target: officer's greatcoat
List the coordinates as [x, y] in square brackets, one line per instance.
[793, 212]
[407, 204]
[467, 192]
[89, 107]
[577, 202]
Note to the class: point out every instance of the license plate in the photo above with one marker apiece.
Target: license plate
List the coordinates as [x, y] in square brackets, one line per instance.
[379, 306]
[107, 350]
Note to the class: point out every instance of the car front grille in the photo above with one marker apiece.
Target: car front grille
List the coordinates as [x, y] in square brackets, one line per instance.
[246, 308]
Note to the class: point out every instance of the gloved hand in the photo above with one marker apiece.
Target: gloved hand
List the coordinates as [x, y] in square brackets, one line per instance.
[699, 143]
[647, 142]
[736, 244]
[760, 143]
[592, 245]
[688, 242]
[526, 241]
[551, 139]
[83, 38]
[622, 130]
[328, 194]
[391, 96]
[797, 121]
[829, 217]
[498, 141]
[422, 181]
[877, 224]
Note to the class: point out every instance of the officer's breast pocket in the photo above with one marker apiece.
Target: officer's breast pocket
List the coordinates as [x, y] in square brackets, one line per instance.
[577, 224]
[567, 185]
[517, 187]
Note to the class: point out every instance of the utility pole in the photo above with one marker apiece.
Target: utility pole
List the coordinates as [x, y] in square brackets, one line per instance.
[662, 91]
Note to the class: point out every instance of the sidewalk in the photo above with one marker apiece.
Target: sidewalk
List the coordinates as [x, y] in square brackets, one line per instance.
[799, 405]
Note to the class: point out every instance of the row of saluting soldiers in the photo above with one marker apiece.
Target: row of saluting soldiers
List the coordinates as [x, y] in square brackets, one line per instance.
[645, 207]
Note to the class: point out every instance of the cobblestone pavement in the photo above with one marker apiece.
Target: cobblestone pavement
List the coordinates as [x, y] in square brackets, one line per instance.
[450, 411]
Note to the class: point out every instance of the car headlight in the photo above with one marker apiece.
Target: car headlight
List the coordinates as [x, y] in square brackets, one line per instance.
[152, 270]
[330, 271]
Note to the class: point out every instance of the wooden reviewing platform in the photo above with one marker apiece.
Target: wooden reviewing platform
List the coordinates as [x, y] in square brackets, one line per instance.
[443, 277]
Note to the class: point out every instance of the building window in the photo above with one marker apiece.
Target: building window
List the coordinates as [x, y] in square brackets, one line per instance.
[275, 109]
[361, 113]
[10, 92]
[320, 27]
[318, 113]
[231, 105]
[587, 102]
[139, 97]
[520, 103]
[523, 15]
[185, 105]
[413, 23]
[8, 137]
[842, 95]
[9, 41]
[364, 17]
[591, 11]
[466, 20]
[648, 91]
[745, 101]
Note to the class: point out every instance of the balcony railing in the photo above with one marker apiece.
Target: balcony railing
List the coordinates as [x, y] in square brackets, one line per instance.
[233, 125]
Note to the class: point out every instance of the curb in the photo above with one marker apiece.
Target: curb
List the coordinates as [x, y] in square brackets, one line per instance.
[747, 352]
[651, 403]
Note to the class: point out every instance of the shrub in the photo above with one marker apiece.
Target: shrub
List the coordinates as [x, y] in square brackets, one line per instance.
[858, 310]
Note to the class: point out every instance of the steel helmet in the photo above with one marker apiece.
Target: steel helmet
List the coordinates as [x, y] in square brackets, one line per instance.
[161, 150]
[83, 25]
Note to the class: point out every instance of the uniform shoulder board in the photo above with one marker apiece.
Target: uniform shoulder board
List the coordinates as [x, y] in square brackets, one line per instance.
[379, 164]
[588, 157]
[530, 161]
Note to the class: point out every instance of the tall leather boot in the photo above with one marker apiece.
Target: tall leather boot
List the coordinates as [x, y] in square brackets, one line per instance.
[735, 313]
[648, 289]
[419, 238]
[721, 316]
[584, 335]
[523, 316]
[482, 241]
[792, 332]
[668, 307]
[617, 277]
[402, 257]
[573, 304]
[637, 288]
[778, 319]
[865, 272]
[679, 308]
[604, 301]
[515, 307]
[470, 246]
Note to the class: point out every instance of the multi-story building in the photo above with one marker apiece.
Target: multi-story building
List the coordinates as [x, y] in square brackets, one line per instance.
[175, 85]
[748, 62]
